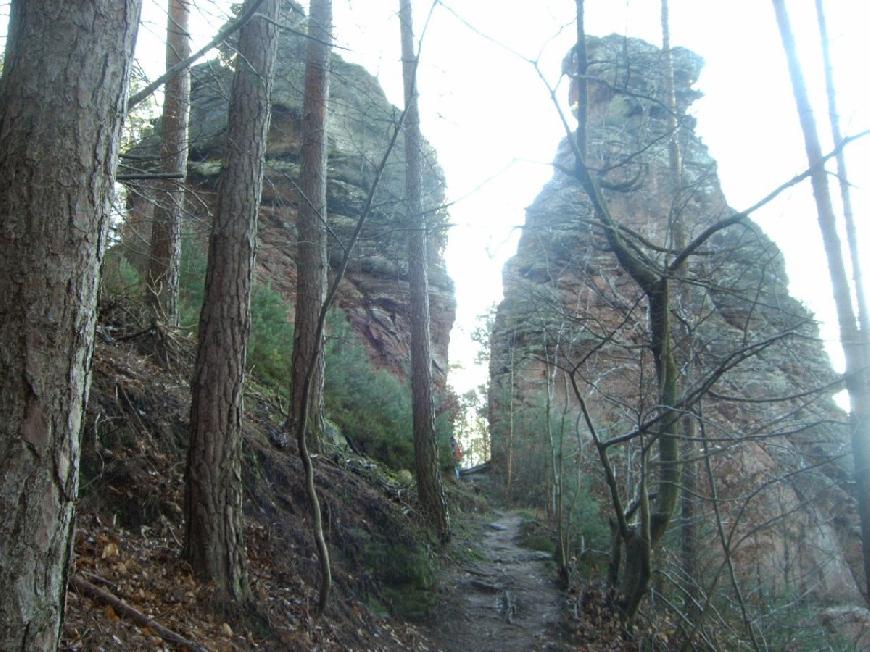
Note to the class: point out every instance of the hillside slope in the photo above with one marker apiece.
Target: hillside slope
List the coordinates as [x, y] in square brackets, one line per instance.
[129, 527]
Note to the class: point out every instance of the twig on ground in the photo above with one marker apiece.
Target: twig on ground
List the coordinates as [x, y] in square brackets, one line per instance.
[123, 609]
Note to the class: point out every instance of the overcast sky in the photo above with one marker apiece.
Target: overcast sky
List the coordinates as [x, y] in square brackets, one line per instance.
[495, 130]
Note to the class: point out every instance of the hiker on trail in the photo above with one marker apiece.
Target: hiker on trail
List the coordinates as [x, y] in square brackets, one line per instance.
[457, 455]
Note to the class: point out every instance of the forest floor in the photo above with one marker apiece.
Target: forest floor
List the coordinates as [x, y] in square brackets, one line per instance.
[504, 599]
[394, 587]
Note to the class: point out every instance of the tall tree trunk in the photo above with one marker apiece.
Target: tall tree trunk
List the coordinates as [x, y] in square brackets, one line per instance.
[165, 249]
[429, 485]
[306, 404]
[311, 263]
[214, 538]
[557, 450]
[857, 383]
[62, 101]
[688, 534]
[843, 179]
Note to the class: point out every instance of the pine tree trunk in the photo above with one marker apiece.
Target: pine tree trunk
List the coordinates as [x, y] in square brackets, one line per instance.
[311, 262]
[62, 101]
[165, 250]
[857, 357]
[214, 542]
[429, 485]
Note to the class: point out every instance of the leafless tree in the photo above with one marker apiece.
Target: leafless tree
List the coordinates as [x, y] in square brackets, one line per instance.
[854, 341]
[674, 285]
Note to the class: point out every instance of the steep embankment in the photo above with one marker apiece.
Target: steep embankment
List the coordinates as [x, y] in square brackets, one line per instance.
[130, 531]
[764, 417]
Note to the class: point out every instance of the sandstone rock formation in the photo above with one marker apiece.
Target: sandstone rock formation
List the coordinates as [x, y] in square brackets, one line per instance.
[776, 440]
[374, 294]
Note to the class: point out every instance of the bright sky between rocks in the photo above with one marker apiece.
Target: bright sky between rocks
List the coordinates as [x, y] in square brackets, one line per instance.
[495, 129]
[490, 118]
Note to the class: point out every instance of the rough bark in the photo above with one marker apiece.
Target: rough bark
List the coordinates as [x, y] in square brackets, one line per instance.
[311, 262]
[857, 383]
[429, 484]
[214, 538]
[62, 101]
[165, 247]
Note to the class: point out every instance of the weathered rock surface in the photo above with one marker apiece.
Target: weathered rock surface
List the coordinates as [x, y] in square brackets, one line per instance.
[361, 122]
[851, 626]
[780, 464]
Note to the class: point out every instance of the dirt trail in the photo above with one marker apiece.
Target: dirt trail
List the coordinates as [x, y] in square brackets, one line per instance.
[503, 603]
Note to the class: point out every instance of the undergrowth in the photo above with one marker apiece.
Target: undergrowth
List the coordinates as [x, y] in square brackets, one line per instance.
[371, 407]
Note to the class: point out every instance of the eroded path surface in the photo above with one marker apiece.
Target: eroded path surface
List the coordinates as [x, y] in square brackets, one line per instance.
[505, 602]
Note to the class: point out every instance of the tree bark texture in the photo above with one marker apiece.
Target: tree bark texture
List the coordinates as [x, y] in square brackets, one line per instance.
[62, 102]
[214, 541]
[165, 248]
[429, 484]
[857, 383]
[311, 261]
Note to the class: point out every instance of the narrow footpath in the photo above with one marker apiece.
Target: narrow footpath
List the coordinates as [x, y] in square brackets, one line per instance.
[505, 602]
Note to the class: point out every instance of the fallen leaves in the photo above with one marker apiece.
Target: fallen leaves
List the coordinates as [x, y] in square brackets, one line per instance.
[110, 614]
[129, 536]
[110, 550]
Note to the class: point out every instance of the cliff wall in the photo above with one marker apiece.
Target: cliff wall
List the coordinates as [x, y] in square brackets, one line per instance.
[764, 415]
[374, 293]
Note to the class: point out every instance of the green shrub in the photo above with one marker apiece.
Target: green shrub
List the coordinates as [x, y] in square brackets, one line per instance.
[119, 276]
[191, 282]
[372, 407]
[589, 529]
[408, 574]
[536, 535]
[270, 347]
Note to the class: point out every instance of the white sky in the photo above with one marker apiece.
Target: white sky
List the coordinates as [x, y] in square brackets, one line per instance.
[495, 130]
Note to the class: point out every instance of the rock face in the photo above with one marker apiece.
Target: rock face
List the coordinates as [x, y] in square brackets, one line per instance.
[775, 440]
[361, 122]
